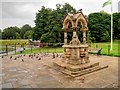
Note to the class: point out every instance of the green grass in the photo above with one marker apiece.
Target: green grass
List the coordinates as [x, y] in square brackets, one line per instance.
[107, 51]
[105, 48]
[4, 49]
[14, 41]
[11, 43]
[103, 45]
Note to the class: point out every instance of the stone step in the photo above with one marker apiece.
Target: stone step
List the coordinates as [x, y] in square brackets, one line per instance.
[83, 72]
[75, 67]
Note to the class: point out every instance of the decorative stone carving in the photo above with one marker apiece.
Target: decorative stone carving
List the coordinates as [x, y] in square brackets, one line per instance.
[75, 41]
[76, 57]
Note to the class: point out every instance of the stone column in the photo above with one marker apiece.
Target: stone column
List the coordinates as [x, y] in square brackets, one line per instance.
[65, 38]
[84, 37]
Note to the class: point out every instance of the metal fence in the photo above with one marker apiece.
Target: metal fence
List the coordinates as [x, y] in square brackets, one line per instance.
[21, 48]
[106, 49]
[53, 47]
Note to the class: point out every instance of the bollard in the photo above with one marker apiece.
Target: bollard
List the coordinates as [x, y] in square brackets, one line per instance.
[31, 48]
[48, 49]
[15, 48]
[23, 47]
[108, 49]
[6, 50]
[39, 48]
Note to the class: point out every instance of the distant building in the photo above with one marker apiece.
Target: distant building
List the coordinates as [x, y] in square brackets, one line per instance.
[36, 43]
[119, 6]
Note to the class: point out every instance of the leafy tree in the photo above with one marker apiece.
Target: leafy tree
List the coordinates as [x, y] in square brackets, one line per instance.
[116, 25]
[28, 34]
[24, 29]
[0, 34]
[49, 23]
[16, 29]
[9, 33]
[99, 26]
[17, 35]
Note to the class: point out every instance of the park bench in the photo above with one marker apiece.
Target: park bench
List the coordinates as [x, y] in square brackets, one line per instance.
[95, 50]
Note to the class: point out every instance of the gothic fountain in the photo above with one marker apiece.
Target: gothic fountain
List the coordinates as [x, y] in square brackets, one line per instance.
[75, 61]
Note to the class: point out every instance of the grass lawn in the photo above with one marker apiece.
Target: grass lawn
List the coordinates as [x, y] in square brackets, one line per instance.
[11, 43]
[14, 41]
[106, 48]
[104, 45]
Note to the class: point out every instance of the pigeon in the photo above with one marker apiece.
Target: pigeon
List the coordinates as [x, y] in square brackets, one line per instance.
[10, 57]
[53, 55]
[22, 60]
[80, 10]
[57, 55]
[39, 59]
[36, 56]
[15, 58]
[30, 55]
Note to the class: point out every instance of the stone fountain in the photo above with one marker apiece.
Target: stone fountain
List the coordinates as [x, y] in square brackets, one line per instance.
[76, 61]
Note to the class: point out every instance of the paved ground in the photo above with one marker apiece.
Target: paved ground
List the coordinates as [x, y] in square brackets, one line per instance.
[34, 73]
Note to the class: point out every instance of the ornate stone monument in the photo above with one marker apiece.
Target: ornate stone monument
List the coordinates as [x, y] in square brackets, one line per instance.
[76, 61]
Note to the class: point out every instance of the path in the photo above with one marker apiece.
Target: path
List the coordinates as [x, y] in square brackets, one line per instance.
[34, 73]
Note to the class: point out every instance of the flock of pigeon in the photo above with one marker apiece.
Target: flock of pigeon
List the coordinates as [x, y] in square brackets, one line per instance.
[34, 55]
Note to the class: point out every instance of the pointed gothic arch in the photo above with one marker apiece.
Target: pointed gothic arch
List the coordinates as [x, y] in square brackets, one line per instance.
[66, 22]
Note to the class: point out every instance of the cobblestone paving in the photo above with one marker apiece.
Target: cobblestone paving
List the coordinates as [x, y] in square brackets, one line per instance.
[34, 73]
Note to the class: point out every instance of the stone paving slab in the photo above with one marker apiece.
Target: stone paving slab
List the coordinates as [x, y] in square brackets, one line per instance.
[7, 85]
[21, 83]
[34, 73]
[96, 83]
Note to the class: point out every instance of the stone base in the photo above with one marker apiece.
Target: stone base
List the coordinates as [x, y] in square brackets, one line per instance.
[78, 70]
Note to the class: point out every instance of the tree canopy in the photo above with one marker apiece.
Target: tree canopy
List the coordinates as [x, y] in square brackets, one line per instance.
[17, 33]
[49, 23]
[48, 26]
[99, 26]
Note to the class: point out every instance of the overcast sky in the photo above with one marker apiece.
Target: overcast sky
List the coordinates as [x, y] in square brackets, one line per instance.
[20, 12]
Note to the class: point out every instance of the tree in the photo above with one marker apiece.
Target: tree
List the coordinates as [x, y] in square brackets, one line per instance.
[17, 35]
[99, 26]
[9, 33]
[49, 23]
[0, 34]
[16, 29]
[24, 29]
[28, 34]
[116, 25]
